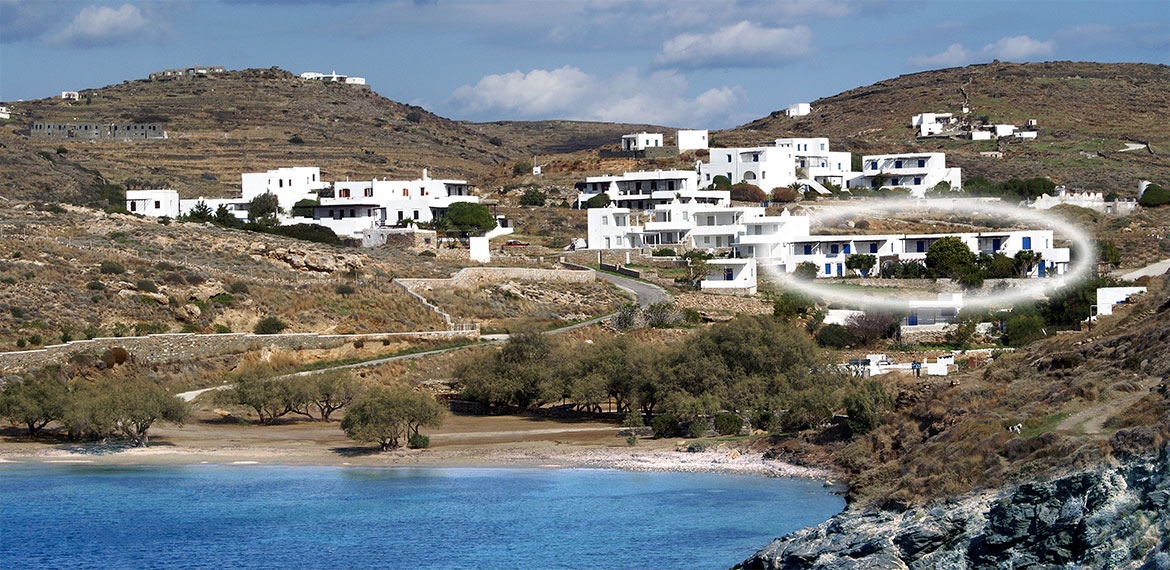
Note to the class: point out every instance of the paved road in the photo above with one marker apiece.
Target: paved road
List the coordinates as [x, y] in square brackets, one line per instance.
[1153, 269]
[646, 293]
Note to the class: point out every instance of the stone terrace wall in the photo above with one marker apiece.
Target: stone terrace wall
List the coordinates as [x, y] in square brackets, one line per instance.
[181, 346]
[469, 276]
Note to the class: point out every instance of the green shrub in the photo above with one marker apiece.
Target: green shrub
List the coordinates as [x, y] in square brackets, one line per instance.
[148, 301]
[111, 268]
[146, 285]
[345, 289]
[766, 421]
[296, 139]
[189, 328]
[17, 312]
[633, 420]
[419, 441]
[269, 325]
[238, 287]
[66, 335]
[664, 426]
[95, 286]
[143, 329]
[664, 252]
[221, 329]
[222, 299]
[728, 424]
[21, 343]
[427, 253]
[1154, 196]
[698, 428]
[521, 168]
[35, 340]
[806, 271]
[533, 197]
[598, 201]
[631, 440]
[835, 336]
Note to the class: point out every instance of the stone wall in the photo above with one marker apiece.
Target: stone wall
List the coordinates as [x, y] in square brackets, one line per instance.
[471, 276]
[181, 346]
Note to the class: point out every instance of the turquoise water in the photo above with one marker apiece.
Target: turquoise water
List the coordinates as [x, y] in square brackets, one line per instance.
[345, 517]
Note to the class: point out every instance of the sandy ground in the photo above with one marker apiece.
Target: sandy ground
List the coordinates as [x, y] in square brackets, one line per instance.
[463, 441]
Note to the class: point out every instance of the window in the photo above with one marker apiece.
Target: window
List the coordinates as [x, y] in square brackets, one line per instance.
[921, 246]
[873, 247]
[1027, 243]
[606, 243]
[921, 163]
[845, 248]
[833, 249]
[133, 206]
[897, 164]
[369, 191]
[895, 181]
[344, 193]
[400, 215]
[353, 212]
[828, 269]
[917, 180]
[708, 176]
[416, 214]
[729, 158]
[280, 183]
[873, 165]
[157, 205]
[728, 274]
[405, 191]
[807, 249]
[653, 185]
[670, 184]
[605, 220]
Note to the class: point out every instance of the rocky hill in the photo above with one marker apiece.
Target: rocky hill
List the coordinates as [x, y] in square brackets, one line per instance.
[1087, 113]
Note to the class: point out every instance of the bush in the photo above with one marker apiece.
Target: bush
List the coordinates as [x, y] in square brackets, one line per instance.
[664, 252]
[21, 343]
[307, 232]
[633, 420]
[631, 440]
[1154, 196]
[728, 424]
[698, 428]
[35, 340]
[345, 289]
[806, 271]
[470, 217]
[95, 286]
[419, 441]
[521, 168]
[221, 329]
[598, 201]
[744, 192]
[238, 287]
[835, 336]
[147, 286]
[664, 426]
[766, 421]
[222, 299]
[496, 141]
[414, 117]
[296, 139]
[269, 325]
[533, 197]
[1024, 329]
[111, 268]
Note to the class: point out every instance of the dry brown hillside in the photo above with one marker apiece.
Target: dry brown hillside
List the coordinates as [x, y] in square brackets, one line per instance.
[1086, 112]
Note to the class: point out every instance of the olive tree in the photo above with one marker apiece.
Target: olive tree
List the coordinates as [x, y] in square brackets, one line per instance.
[384, 415]
[34, 402]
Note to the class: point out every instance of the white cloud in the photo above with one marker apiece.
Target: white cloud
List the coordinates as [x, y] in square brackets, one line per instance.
[1019, 48]
[1015, 48]
[103, 26]
[953, 56]
[744, 44]
[570, 93]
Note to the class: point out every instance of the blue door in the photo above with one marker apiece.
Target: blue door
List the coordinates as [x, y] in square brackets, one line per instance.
[921, 246]
[912, 320]
[828, 269]
[1042, 269]
[995, 244]
[839, 270]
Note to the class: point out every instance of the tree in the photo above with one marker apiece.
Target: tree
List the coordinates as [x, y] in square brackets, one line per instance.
[470, 217]
[963, 332]
[745, 192]
[872, 325]
[1027, 259]
[835, 336]
[331, 391]
[598, 201]
[806, 271]
[721, 182]
[1154, 196]
[862, 262]
[263, 206]
[269, 397]
[385, 415]
[1024, 329]
[224, 217]
[791, 304]
[304, 207]
[533, 197]
[140, 404]
[949, 256]
[697, 266]
[34, 402]
[863, 407]
[785, 195]
[200, 212]
[1108, 253]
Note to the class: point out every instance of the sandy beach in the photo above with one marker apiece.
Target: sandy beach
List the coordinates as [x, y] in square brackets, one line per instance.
[464, 441]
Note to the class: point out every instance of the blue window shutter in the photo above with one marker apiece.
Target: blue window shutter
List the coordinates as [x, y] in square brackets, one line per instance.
[828, 269]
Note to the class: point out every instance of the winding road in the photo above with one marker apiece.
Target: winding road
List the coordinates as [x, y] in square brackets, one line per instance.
[646, 294]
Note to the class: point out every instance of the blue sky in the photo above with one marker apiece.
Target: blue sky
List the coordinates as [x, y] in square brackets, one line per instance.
[709, 64]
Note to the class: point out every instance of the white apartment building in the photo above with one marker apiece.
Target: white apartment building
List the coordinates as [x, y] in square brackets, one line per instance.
[818, 162]
[768, 167]
[689, 139]
[918, 172]
[784, 241]
[641, 141]
[646, 189]
[155, 203]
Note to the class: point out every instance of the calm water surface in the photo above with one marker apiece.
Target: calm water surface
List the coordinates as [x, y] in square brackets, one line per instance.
[346, 517]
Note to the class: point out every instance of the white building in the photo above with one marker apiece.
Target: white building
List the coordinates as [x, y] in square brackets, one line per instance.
[730, 276]
[1002, 130]
[333, 77]
[5, 113]
[642, 190]
[70, 95]
[154, 203]
[1108, 297]
[290, 185]
[918, 172]
[818, 162]
[798, 110]
[768, 167]
[641, 141]
[1025, 134]
[688, 139]
[930, 124]
[941, 311]
[980, 135]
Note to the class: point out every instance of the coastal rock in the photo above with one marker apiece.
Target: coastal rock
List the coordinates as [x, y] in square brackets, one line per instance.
[1102, 517]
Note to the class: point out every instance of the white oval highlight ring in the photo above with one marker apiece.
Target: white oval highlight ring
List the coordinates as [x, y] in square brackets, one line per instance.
[1042, 219]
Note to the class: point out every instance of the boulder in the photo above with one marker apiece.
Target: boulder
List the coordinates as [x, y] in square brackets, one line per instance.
[188, 313]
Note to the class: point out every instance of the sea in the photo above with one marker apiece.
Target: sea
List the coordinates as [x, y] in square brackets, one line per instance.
[282, 517]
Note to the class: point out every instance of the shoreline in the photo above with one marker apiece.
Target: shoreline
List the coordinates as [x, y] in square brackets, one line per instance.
[544, 455]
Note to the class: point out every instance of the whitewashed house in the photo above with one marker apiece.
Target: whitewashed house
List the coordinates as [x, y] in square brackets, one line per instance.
[812, 155]
[798, 110]
[980, 135]
[1025, 134]
[70, 95]
[1002, 130]
[1109, 297]
[1091, 200]
[917, 172]
[333, 77]
[647, 189]
[155, 203]
[641, 141]
[768, 167]
[5, 112]
[730, 276]
[689, 139]
[931, 124]
[290, 185]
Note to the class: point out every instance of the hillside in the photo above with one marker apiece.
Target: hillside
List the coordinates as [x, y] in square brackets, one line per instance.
[1087, 112]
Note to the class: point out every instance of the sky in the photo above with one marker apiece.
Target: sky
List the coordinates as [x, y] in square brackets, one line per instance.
[680, 63]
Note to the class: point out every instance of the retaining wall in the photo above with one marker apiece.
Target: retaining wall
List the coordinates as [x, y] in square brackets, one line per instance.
[479, 275]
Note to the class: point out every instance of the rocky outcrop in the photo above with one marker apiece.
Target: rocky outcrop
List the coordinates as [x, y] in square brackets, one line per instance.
[304, 259]
[1114, 516]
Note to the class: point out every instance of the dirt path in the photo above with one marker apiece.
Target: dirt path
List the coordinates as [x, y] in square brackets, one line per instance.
[1090, 420]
